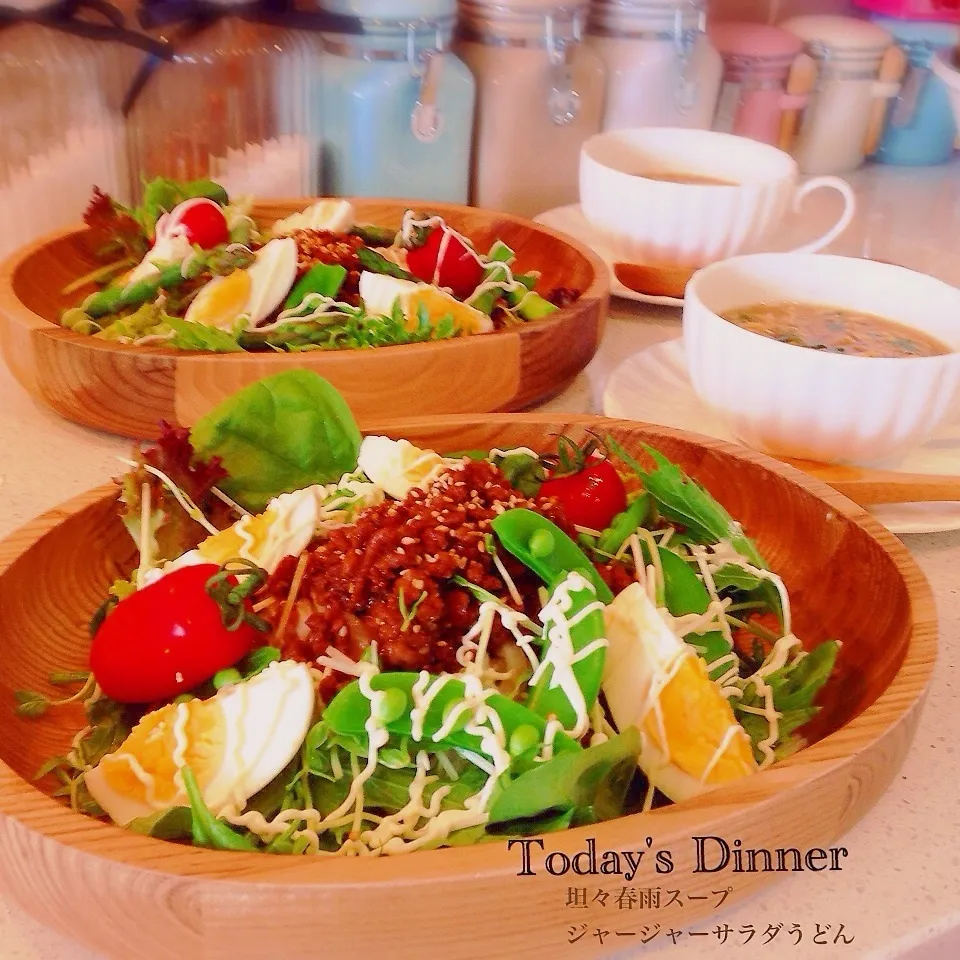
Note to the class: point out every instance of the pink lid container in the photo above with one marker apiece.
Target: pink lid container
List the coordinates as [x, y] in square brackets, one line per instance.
[946, 11]
[757, 60]
[755, 46]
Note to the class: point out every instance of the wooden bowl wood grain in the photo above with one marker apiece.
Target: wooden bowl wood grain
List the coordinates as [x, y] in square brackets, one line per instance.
[128, 895]
[127, 390]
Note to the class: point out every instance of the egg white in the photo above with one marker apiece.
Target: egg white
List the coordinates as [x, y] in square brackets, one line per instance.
[265, 721]
[642, 653]
[397, 466]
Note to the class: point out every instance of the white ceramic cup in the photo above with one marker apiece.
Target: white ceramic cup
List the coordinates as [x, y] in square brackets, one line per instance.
[653, 221]
[794, 401]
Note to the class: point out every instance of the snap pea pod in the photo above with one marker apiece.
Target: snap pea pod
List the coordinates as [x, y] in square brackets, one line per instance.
[323, 278]
[545, 548]
[624, 525]
[685, 593]
[348, 712]
[547, 694]
[552, 555]
[116, 298]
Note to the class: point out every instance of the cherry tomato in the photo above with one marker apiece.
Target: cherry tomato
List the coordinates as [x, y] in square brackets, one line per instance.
[590, 498]
[203, 221]
[166, 639]
[459, 269]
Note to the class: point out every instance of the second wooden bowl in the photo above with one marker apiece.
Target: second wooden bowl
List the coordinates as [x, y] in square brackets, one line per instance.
[127, 390]
[132, 896]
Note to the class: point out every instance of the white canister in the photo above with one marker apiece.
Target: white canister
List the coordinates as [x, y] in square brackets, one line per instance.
[539, 96]
[661, 68]
[848, 54]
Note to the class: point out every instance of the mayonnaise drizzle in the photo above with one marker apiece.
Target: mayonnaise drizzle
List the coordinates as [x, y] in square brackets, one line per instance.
[558, 650]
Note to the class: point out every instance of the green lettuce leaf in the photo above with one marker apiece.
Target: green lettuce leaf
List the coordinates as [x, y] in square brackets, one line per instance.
[795, 686]
[282, 433]
[683, 501]
[162, 195]
[196, 336]
[581, 787]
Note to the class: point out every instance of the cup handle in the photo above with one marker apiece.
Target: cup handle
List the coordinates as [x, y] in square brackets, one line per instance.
[846, 218]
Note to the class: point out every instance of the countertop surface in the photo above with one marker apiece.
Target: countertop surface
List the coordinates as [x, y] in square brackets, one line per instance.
[900, 894]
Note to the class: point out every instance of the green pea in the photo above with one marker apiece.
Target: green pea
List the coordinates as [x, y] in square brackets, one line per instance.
[259, 660]
[184, 698]
[226, 677]
[392, 705]
[541, 543]
[522, 739]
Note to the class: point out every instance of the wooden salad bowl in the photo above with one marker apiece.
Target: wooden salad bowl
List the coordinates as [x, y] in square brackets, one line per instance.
[133, 896]
[128, 390]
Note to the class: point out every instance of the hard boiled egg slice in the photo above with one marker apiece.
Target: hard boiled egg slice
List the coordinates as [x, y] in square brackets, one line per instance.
[379, 294]
[439, 304]
[254, 292]
[337, 216]
[169, 248]
[283, 530]
[235, 743]
[397, 466]
[652, 679]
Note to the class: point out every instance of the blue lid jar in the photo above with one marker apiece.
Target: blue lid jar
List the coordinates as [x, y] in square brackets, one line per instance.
[920, 129]
[396, 107]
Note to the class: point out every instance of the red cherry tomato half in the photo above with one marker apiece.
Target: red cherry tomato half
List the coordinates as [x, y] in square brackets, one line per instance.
[590, 498]
[203, 221]
[165, 639]
[459, 269]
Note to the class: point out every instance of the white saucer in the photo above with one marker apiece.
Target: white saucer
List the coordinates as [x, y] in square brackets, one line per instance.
[570, 219]
[653, 385]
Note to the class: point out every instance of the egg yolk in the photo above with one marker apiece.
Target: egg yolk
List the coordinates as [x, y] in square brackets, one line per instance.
[222, 300]
[691, 694]
[439, 304]
[243, 538]
[144, 767]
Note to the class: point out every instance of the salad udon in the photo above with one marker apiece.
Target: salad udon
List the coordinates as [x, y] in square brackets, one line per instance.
[345, 645]
[191, 269]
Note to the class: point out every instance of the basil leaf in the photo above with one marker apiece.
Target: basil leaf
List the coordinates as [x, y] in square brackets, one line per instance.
[285, 432]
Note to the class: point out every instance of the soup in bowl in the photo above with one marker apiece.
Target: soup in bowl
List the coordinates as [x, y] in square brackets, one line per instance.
[823, 357]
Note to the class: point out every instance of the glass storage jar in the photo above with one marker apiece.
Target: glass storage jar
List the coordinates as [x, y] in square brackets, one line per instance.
[662, 70]
[62, 130]
[848, 54]
[396, 104]
[231, 105]
[539, 96]
[758, 60]
[920, 130]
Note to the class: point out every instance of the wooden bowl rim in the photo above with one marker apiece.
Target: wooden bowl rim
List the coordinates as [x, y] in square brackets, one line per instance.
[36, 811]
[18, 312]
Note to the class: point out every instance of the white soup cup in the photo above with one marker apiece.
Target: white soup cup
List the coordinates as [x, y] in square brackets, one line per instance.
[794, 401]
[653, 221]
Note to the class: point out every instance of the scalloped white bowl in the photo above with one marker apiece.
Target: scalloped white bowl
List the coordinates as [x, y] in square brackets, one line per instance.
[793, 401]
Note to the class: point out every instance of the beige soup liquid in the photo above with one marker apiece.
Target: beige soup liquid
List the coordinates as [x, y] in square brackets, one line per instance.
[539, 96]
[690, 178]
